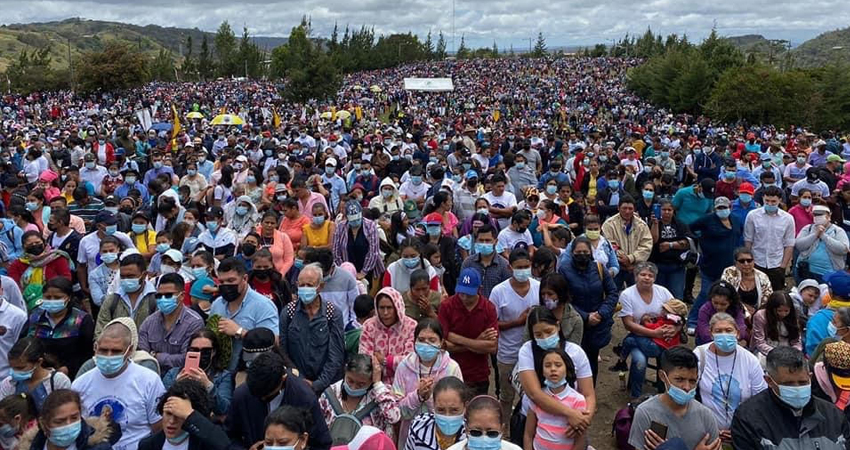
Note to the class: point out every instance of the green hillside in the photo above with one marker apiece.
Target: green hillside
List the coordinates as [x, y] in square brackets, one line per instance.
[833, 46]
[83, 35]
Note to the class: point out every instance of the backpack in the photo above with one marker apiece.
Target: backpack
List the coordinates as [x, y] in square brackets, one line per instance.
[345, 426]
[329, 311]
[622, 425]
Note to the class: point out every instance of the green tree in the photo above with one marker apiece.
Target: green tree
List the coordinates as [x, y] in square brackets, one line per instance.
[495, 50]
[189, 66]
[116, 67]
[31, 72]
[440, 53]
[462, 51]
[250, 57]
[429, 46]
[225, 51]
[206, 66]
[162, 68]
[599, 50]
[539, 47]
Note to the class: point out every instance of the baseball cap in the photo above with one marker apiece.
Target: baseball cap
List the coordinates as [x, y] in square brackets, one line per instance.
[765, 157]
[174, 255]
[722, 202]
[837, 359]
[746, 188]
[834, 158]
[256, 341]
[214, 211]
[471, 174]
[352, 208]
[106, 217]
[110, 200]
[707, 186]
[839, 283]
[820, 209]
[433, 218]
[468, 282]
[330, 162]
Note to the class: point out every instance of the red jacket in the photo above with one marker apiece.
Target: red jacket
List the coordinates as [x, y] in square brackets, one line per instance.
[110, 151]
[56, 268]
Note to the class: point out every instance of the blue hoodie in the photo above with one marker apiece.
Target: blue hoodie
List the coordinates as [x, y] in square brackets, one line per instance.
[10, 236]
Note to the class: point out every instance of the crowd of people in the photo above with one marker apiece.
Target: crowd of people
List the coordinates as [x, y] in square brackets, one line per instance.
[418, 270]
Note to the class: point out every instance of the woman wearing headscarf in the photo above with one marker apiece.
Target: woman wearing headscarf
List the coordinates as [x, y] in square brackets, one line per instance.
[241, 216]
[389, 333]
[832, 376]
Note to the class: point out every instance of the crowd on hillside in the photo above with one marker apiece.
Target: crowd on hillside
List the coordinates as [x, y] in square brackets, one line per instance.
[206, 266]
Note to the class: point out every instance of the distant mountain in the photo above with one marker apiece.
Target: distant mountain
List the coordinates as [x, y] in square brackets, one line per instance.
[828, 47]
[82, 35]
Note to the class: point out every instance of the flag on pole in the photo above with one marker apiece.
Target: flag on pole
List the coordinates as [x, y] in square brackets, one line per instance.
[175, 129]
[496, 115]
[275, 118]
[358, 113]
[333, 113]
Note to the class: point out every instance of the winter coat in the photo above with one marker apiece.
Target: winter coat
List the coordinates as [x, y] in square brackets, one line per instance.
[592, 290]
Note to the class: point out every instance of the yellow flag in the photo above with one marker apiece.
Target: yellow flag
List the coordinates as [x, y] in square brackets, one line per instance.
[496, 115]
[175, 129]
[358, 113]
[223, 110]
[333, 113]
[275, 118]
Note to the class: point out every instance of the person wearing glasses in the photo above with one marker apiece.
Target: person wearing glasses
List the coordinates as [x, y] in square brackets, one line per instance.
[753, 286]
[484, 423]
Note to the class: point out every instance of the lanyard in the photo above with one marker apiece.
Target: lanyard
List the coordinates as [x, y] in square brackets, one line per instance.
[726, 392]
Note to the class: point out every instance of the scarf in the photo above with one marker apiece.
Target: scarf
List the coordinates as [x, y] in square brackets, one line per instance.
[33, 276]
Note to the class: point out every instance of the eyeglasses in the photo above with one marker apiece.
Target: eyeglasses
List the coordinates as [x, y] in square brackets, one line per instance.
[492, 434]
[745, 260]
[159, 296]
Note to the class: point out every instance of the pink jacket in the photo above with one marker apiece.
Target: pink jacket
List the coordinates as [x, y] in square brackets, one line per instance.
[394, 342]
[283, 255]
[406, 383]
[760, 342]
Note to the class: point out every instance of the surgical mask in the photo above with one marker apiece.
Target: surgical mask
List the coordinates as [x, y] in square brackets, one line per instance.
[162, 248]
[725, 342]
[307, 294]
[387, 193]
[416, 180]
[112, 209]
[31, 206]
[426, 352]
[831, 329]
[522, 275]
[482, 211]
[354, 392]
[434, 230]
[111, 229]
[520, 165]
[448, 425]
[483, 248]
[614, 184]
[805, 202]
[647, 169]
[551, 190]
[329, 170]
[820, 220]
[554, 384]
[130, 180]
[241, 210]
[167, 269]
[795, 396]
[90, 165]
[484, 443]
[411, 263]
[549, 342]
[130, 284]
[109, 365]
[665, 155]
[8, 431]
[550, 303]
[299, 263]
[729, 175]
[139, 228]
[109, 258]
[113, 173]
[801, 160]
[251, 179]
[199, 272]
[167, 304]
[274, 178]
[648, 194]
[766, 164]
[771, 209]
[457, 178]
[64, 436]
[592, 234]
[53, 306]
[22, 375]
[157, 164]
[746, 198]
[319, 220]
[680, 396]
[212, 226]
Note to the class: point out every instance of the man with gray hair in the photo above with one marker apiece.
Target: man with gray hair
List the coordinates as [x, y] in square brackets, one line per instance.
[128, 390]
[311, 332]
[785, 415]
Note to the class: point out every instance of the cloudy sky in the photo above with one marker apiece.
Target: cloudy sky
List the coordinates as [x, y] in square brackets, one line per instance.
[508, 22]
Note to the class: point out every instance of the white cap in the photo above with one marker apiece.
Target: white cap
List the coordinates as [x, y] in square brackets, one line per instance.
[174, 255]
[330, 162]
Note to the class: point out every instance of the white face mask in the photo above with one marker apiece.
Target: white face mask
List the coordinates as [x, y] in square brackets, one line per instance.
[820, 220]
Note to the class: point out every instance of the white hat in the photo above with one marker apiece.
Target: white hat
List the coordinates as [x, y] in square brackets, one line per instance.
[330, 162]
[820, 209]
[242, 158]
[174, 255]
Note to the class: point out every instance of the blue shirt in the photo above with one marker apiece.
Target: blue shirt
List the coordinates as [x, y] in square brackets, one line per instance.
[740, 211]
[206, 169]
[338, 189]
[153, 173]
[816, 329]
[123, 190]
[256, 311]
[689, 206]
[718, 243]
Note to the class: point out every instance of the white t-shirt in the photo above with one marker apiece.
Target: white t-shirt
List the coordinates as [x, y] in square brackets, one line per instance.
[13, 320]
[718, 389]
[509, 238]
[506, 200]
[132, 396]
[413, 192]
[509, 306]
[633, 304]
[525, 362]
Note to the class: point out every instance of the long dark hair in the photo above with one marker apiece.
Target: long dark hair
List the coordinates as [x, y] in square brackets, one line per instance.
[772, 321]
[725, 289]
[539, 314]
[568, 362]
[556, 282]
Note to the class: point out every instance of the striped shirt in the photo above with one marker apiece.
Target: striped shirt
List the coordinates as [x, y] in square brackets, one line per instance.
[423, 436]
[551, 428]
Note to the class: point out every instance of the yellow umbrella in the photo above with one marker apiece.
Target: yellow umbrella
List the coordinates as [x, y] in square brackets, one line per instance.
[194, 115]
[227, 119]
[326, 115]
[358, 88]
[375, 88]
[343, 114]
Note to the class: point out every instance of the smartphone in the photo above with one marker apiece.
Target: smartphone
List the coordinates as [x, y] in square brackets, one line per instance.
[192, 360]
[656, 211]
[659, 429]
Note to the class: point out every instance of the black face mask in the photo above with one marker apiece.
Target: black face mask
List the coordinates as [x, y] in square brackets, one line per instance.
[35, 249]
[262, 274]
[521, 230]
[248, 249]
[206, 359]
[812, 179]
[581, 260]
[126, 210]
[229, 292]
[472, 183]
[51, 227]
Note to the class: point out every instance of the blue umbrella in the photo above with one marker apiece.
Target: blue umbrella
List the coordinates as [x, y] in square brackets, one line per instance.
[162, 126]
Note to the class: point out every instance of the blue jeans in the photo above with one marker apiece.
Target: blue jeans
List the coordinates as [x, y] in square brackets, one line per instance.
[640, 348]
[705, 286]
[672, 276]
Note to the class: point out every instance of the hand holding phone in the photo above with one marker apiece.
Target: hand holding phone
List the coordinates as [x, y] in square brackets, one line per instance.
[193, 360]
[659, 429]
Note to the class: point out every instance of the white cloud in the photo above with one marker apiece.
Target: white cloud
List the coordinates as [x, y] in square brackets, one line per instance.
[563, 22]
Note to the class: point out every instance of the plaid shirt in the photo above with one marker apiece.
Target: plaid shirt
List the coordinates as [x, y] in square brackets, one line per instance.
[498, 271]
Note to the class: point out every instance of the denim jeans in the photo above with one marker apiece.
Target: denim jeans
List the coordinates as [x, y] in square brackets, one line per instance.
[672, 276]
[705, 286]
[640, 348]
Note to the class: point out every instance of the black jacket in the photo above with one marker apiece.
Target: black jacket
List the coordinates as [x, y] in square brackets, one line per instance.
[765, 422]
[203, 435]
[247, 415]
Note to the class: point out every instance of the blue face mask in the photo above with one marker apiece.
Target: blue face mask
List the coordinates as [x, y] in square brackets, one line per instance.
[614, 184]
[354, 392]
[139, 228]
[111, 229]
[251, 180]
[723, 213]
[554, 384]
[665, 155]
[307, 294]
[484, 443]
[167, 305]
[457, 178]
[53, 306]
[130, 284]
[212, 226]
[162, 248]
[241, 210]
[191, 172]
[299, 264]
[484, 249]
[31, 206]
[355, 223]
[21, 376]
[549, 342]
[416, 180]
[66, 435]
[522, 275]
[426, 352]
[8, 431]
[725, 342]
[729, 175]
[771, 209]
[746, 198]
[648, 195]
[448, 425]
[411, 263]
[520, 165]
[805, 202]
[680, 396]
[434, 230]
[831, 330]
[199, 272]
[795, 396]
[109, 365]
[319, 220]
